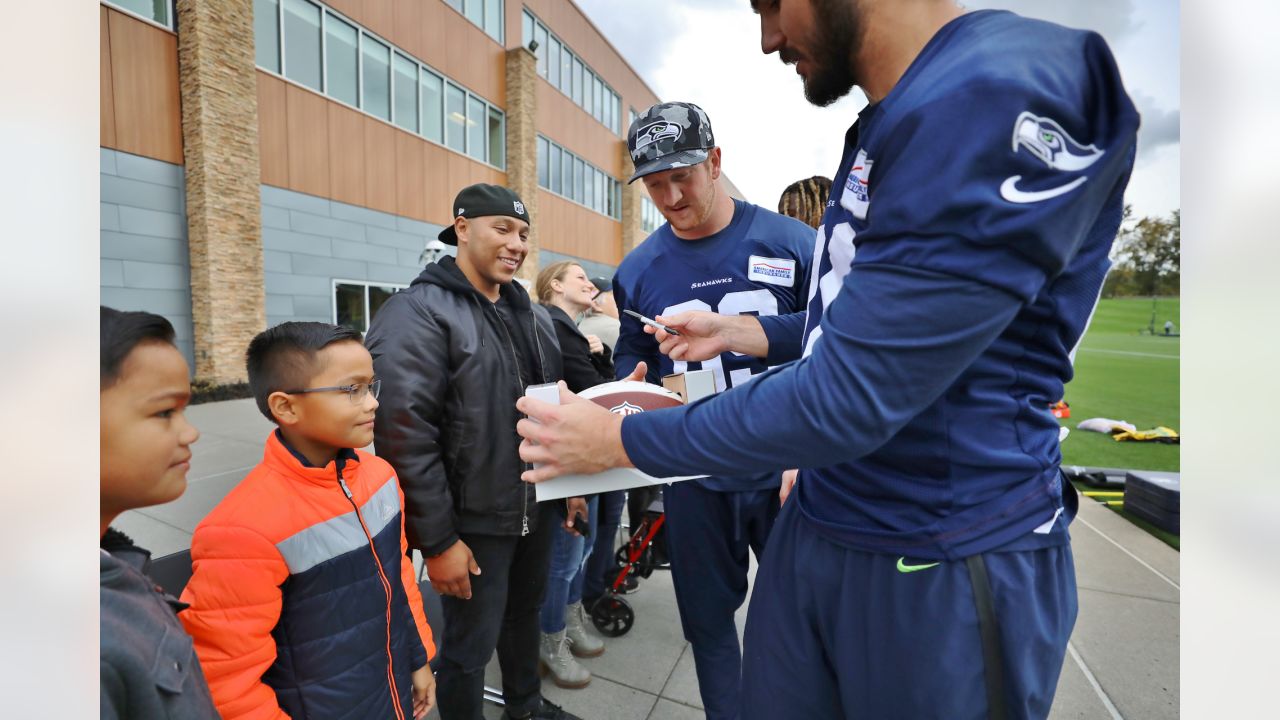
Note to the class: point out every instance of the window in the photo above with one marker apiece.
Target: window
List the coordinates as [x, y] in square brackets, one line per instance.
[476, 145]
[631, 118]
[526, 29]
[650, 218]
[474, 10]
[432, 106]
[543, 175]
[154, 10]
[376, 77]
[577, 81]
[566, 174]
[406, 93]
[590, 185]
[455, 4]
[493, 18]
[578, 193]
[356, 303]
[320, 49]
[266, 33]
[497, 138]
[553, 63]
[540, 36]
[596, 101]
[302, 42]
[342, 61]
[566, 71]
[555, 169]
[456, 118]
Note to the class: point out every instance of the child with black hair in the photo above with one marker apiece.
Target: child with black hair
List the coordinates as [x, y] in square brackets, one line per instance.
[303, 601]
[147, 666]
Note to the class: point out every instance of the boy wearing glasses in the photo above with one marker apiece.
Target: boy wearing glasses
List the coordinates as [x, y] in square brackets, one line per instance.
[303, 601]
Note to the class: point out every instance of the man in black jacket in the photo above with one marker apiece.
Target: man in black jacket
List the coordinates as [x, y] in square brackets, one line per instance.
[454, 351]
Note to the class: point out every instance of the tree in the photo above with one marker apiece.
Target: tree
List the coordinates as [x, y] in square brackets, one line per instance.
[1147, 256]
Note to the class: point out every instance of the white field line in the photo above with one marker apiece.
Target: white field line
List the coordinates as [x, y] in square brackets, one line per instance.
[1135, 354]
[1102, 695]
[1125, 550]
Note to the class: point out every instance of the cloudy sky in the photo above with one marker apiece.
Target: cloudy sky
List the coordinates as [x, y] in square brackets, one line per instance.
[708, 51]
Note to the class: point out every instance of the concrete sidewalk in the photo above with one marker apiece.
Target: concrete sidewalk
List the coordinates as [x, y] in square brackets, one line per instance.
[1122, 661]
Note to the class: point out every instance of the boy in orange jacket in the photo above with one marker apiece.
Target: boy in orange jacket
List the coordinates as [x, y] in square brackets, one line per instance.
[303, 601]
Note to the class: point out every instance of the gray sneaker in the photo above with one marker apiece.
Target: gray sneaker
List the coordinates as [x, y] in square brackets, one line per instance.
[582, 642]
[555, 658]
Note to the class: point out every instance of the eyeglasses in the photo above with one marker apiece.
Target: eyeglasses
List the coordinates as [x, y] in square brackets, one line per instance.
[356, 392]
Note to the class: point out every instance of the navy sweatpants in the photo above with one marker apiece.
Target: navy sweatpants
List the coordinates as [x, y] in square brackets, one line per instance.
[709, 534]
[839, 633]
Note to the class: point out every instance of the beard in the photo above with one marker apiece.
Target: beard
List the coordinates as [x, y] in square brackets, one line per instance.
[838, 37]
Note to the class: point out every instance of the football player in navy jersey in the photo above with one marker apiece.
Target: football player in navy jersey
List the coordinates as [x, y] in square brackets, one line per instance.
[922, 567]
[718, 255]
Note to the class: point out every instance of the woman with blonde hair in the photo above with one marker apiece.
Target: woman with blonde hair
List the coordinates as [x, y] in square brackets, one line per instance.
[566, 291]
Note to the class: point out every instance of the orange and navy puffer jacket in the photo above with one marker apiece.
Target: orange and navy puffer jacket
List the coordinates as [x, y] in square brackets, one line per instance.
[303, 603]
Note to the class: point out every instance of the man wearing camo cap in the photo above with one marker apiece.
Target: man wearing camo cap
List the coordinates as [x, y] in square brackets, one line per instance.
[729, 256]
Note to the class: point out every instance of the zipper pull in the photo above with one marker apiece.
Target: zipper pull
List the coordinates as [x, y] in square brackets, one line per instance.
[345, 490]
[525, 529]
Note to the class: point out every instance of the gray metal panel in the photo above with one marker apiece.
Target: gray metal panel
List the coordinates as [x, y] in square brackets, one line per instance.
[149, 171]
[312, 306]
[135, 193]
[365, 251]
[294, 200]
[275, 261]
[320, 225]
[109, 217]
[107, 161]
[276, 217]
[328, 268]
[392, 273]
[282, 284]
[364, 216]
[156, 276]
[396, 239]
[295, 242]
[279, 305]
[111, 273]
[123, 246]
[417, 227]
[150, 222]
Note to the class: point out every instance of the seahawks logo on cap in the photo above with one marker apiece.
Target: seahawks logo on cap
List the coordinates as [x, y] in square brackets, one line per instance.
[654, 132]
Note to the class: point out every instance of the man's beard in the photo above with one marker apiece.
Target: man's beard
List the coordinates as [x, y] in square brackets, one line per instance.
[838, 36]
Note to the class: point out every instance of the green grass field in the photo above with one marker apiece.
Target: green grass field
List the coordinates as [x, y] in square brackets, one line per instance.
[1124, 374]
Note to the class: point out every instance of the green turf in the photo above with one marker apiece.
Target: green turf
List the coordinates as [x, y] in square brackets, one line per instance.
[1124, 374]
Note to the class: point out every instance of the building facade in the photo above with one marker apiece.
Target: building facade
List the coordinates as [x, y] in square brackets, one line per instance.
[274, 160]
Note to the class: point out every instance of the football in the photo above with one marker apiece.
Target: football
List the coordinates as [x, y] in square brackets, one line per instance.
[628, 397]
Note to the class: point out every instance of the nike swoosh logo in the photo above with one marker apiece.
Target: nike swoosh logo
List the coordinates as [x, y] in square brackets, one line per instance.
[1009, 190]
[903, 567]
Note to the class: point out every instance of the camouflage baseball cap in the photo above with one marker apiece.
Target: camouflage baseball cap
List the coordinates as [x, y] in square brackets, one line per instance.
[669, 135]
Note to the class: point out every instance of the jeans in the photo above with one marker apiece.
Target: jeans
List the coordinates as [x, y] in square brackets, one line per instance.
[503, 614]
[600, 564]
[569, 553]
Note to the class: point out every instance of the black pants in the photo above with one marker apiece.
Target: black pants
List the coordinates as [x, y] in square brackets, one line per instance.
[503, 614]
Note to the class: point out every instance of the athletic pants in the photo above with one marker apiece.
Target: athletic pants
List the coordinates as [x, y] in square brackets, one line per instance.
[709, 535]
[839, 633]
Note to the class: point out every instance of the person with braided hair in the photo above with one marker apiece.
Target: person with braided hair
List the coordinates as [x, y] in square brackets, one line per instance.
[806, 200]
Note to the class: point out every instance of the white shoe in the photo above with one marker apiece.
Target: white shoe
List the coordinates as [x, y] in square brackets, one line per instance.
[554, 657]
[582, 642]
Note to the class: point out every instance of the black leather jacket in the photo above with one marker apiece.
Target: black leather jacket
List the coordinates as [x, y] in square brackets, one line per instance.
[447, 416]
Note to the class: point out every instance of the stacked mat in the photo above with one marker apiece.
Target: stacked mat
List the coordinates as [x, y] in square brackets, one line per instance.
[1155, 497]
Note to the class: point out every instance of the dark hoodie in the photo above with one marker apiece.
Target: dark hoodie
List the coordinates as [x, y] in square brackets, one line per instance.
[147, 664]
[452, 370]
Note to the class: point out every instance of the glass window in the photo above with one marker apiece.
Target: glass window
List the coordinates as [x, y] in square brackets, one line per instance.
[566, 174]
[601, 205]
[590, 198]
[348, 300]
[406, 93]
[475, 11]
[266, 34]
[376, 78]
[157, 10]
[566, 71]
[497, 138]
[476, 128]
[432, 106]
[455, 4]
[553, 63]
[456, 118]
[341, 60]
[608, 107]
[577, 81]
[543, 174]
[577, 180]
[540, 34]
[302, 42]
[554, 172]
[597, 106]
[378, 294]
[493, 18]
[526, 28]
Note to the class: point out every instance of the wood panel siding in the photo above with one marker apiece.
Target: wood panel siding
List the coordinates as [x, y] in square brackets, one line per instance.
[141, 111]
[273, 131]
[307, 120]
[380, 171]
[568, 228]
[346, 155]
[107, 108]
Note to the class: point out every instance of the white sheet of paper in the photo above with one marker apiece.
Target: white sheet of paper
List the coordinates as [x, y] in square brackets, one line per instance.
[616, 479]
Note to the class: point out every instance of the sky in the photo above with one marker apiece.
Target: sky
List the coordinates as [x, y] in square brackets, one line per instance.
[708, 52]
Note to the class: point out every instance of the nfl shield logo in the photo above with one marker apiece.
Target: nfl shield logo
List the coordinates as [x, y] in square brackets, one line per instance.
[519, 207]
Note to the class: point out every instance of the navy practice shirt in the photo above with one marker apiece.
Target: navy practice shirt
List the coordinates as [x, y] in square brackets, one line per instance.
[757, 265]
[960, 258]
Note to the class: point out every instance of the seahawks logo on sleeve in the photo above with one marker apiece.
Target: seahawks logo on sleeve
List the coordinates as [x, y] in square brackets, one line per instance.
[1045, 140]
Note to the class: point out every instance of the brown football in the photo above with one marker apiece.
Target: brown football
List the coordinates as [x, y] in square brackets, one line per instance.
[628, 397]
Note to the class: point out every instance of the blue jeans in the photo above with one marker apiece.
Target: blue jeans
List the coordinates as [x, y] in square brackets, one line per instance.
[569, 553]
[603, 539]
